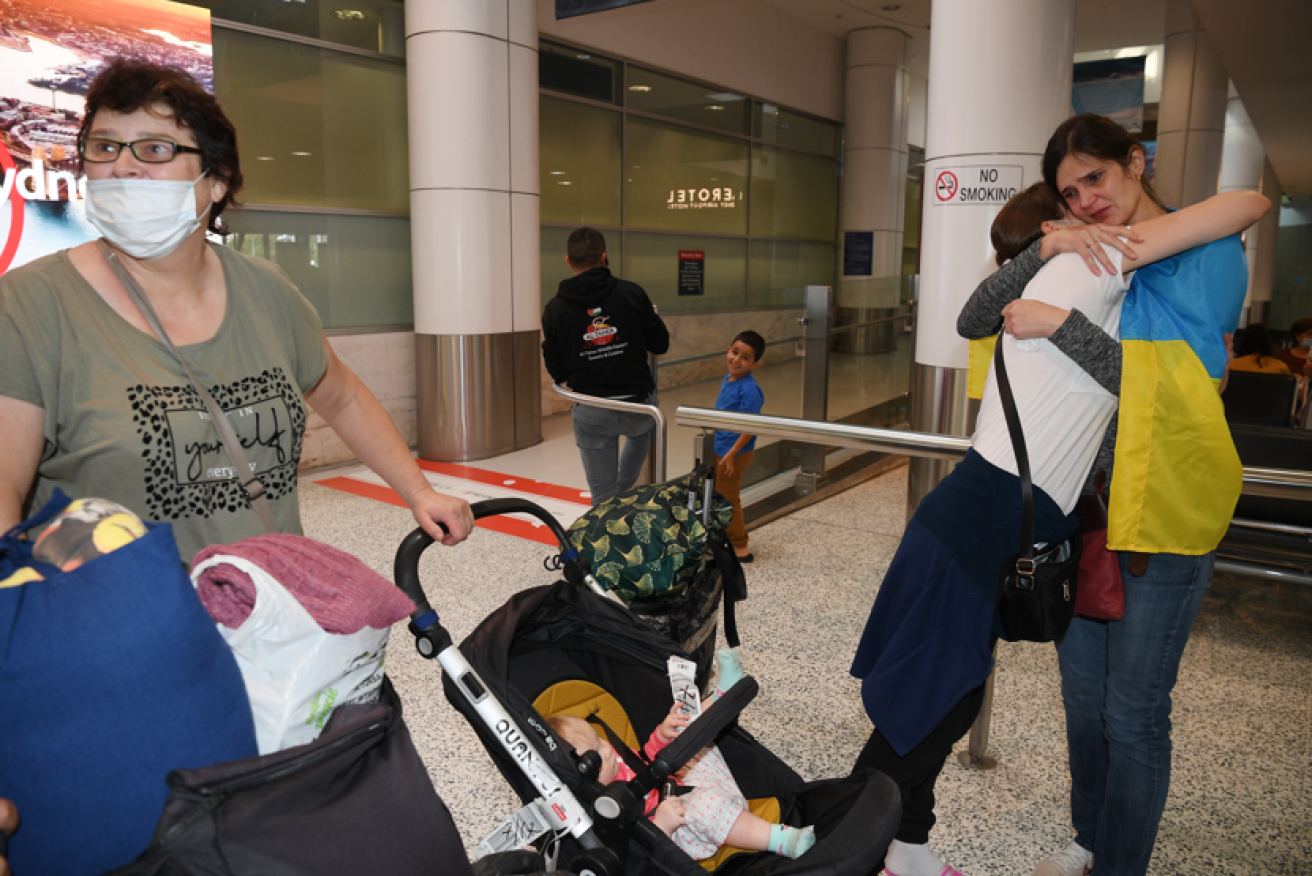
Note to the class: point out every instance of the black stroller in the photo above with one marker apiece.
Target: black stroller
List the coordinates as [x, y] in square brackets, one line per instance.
[562, 649]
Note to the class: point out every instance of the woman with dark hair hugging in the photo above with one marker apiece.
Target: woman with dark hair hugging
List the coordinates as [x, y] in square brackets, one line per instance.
[927, 647]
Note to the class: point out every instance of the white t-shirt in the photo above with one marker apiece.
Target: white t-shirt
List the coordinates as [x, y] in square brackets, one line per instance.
[1063, 411]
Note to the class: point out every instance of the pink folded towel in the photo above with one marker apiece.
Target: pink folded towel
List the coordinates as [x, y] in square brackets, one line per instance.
[340, 592]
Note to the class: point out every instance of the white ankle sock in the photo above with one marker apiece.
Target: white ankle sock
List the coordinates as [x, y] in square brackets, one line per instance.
[906, 859]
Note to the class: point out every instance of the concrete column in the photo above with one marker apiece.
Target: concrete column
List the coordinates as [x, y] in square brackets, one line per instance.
[1242, 161]
[472, 78]
[874, 182]
[1262, 264]
[990, 115]
[1191, 120]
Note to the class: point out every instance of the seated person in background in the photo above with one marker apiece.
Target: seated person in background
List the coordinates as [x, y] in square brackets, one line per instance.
[1296, 355]
[1253, 352]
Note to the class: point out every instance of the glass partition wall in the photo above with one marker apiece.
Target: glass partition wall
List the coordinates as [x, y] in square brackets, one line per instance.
[663, 166]
[319, 103]
[672, 170]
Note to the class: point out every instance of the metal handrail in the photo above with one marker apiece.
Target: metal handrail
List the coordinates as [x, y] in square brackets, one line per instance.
[840, 329]
[833, 434]
[610, 404]
[1273, 483]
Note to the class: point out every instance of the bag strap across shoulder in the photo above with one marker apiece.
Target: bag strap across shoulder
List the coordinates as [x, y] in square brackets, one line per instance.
[244, 471]
[1025, 561]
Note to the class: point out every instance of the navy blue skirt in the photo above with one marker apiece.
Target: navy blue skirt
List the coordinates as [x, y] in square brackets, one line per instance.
[926, 643]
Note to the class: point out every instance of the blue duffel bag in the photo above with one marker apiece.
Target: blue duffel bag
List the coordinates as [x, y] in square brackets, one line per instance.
[111, 675]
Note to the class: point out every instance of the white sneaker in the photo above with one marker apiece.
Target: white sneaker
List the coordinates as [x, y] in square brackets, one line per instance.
[1074, 860]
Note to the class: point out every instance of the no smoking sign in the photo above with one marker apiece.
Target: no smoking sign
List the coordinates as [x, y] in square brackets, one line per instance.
[945, 187]
[981, 185]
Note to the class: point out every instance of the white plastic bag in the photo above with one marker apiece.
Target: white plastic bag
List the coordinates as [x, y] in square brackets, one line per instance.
[295, 672]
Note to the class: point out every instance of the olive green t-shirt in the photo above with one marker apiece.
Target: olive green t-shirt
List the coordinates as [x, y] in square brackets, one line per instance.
[124, 423]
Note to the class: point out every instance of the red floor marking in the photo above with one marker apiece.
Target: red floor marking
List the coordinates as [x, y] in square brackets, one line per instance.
[501, 523]
[497, 479]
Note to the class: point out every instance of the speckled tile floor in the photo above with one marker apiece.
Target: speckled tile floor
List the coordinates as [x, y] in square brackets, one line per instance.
[1241, 795]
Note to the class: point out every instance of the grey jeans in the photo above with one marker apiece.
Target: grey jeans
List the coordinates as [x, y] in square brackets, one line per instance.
[597, 433]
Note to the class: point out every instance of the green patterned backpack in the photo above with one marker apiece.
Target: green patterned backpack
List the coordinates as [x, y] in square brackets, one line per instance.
[646, 541]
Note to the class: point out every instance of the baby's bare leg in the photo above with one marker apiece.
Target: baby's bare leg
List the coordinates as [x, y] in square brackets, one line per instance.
[749, 832]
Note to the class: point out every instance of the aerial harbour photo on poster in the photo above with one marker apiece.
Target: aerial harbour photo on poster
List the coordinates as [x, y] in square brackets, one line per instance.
[50, 50]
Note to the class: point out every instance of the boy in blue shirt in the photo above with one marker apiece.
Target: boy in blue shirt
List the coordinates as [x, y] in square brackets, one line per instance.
[733, 452]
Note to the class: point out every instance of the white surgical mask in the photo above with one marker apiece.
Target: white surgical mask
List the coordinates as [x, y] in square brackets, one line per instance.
[146, 218]
[1307, 343]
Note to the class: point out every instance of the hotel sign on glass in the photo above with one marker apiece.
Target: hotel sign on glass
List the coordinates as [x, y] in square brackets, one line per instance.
[703, 199]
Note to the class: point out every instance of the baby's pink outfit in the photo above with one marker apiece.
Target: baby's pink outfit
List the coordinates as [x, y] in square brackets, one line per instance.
[711, 807]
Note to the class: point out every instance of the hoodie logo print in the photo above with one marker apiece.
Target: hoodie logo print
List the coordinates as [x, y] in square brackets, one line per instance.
[599, 333]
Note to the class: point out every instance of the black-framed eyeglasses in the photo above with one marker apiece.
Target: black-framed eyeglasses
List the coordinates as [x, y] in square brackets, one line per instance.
[151, 150]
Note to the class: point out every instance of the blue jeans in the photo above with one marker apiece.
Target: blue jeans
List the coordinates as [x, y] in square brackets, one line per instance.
[597, 433]
[1116, 681]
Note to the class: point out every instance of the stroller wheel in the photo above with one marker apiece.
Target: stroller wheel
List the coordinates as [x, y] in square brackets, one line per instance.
[597, 862]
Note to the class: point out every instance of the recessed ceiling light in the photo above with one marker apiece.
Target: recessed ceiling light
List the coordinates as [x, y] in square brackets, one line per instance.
[349, 15]
[557, 173]
[264, 158]
[564, 182]
[582, 56]
[301, 154]
[715, 107]
[640, 88]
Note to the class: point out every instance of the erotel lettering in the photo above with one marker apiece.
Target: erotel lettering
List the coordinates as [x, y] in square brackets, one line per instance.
[692, 196]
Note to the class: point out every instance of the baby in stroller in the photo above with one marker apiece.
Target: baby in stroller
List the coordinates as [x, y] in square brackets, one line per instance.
[713, 812]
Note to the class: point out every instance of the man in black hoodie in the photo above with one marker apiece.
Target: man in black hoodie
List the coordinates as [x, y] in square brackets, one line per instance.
[596, 334]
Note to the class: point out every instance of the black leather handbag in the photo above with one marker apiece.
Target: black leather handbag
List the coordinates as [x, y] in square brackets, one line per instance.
[1036, 589]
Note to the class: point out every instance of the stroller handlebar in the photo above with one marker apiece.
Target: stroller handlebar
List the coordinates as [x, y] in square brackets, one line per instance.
[628, 796]
[702, 732]
[405, 569]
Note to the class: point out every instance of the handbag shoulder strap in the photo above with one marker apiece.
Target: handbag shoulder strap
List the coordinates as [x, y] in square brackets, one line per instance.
[245, 472]
[1022, 461]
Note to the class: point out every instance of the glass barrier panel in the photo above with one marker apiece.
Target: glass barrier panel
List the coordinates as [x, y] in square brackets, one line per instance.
[794, 195]
[656, 262]
[780, 268]
[680, 179]
[578, 72]
[662, 95]
[308, 121]
[785, 128]
[355, 270]
[579, 161]
[373, 25]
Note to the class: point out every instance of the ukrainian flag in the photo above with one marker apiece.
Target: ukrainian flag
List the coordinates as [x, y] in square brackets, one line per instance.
[1177, 475]
[981, 359]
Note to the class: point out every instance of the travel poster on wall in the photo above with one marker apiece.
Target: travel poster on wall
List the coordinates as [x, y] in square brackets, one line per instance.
[1113, 88]
[49, 52]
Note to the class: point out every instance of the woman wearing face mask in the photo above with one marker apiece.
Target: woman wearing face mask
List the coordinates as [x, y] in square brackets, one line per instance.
[92, 402]
[1178, 478]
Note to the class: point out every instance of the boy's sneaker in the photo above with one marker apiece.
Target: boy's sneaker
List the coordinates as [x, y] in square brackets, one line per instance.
[1074, 860]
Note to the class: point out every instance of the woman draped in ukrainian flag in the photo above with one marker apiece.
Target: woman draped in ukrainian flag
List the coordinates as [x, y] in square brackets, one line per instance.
[926, 651]
[1178, 478]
